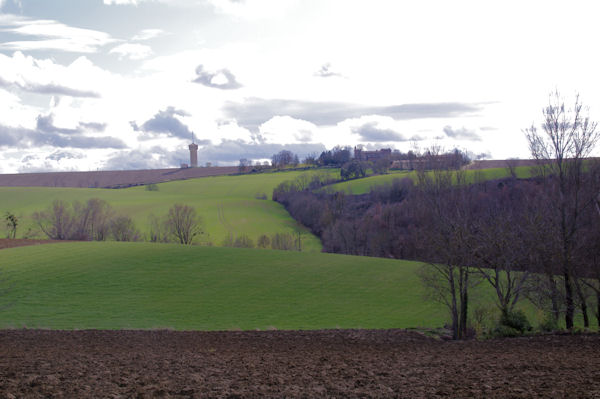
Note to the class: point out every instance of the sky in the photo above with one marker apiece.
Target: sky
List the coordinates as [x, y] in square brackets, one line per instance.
[127, 84]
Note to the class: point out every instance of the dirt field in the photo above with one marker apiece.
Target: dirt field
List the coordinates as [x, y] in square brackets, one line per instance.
[110, 178]
[338, 363]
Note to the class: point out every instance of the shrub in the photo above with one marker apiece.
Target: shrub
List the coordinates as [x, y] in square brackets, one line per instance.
[515, 319]
[549, 324]
[482, 319]
[283, 241]
[123, 229]
[263, 241]
[243, 241]
[505, 331]
[152, 187]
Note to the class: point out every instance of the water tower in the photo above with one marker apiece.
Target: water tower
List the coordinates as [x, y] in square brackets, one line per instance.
[193, 153]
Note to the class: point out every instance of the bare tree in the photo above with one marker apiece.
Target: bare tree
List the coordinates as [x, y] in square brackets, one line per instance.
[500, 242]
[244, 165]
[123, 229]
[91, 219]
[57, 221]
[12, 222]
[445, 229]
[567, 137]
[158, 229]
[511, 167]
[183, 223]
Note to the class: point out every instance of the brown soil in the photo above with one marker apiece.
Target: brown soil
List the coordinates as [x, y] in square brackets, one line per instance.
[335, 363]
[20, 242]
[110, 178]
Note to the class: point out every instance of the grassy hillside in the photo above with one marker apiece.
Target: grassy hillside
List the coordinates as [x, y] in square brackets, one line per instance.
[228, 204]
[364, 185]
[142, 285]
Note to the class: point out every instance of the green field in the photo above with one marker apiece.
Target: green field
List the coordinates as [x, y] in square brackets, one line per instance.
[142, 285]
[227, 204]
[364, 185]
[115, 285]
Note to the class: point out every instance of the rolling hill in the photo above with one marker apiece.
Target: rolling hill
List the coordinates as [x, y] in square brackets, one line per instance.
[114, 285]
[228, 204]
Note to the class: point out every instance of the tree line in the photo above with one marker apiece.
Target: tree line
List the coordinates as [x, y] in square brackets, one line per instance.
[96, 220]
[537, 238]
[501, 231]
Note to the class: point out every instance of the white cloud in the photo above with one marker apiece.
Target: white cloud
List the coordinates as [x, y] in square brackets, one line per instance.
[288, 130]
[133, 2]
[52, 35]
[147, 34]
[133, 51]
[43, 76]
[254, 9]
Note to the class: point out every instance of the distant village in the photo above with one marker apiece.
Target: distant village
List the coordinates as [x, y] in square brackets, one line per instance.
[383, 158]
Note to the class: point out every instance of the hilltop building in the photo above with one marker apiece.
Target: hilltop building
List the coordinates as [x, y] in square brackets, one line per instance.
[361, 155]
[193, 155]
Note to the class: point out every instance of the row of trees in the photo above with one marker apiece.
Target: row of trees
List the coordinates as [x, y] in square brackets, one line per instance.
[351, 167]
[538, 237]
[95, 220]
[279, 241]
[499, 231]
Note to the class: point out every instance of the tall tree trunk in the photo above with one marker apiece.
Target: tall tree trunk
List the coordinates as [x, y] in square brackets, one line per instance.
[570, 311]
[598, 308]
[582, 304]
[554, 297]
[455, 326]
[464, 303]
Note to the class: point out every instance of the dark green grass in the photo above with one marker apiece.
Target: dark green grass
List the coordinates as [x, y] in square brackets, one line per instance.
[114, 285]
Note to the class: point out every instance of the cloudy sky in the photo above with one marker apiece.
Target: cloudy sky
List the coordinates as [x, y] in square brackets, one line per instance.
[124, 84]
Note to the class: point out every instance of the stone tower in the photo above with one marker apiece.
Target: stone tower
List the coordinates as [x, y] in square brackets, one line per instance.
[193, 155]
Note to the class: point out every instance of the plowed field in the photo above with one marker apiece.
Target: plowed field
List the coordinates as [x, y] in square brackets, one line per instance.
[335, 363]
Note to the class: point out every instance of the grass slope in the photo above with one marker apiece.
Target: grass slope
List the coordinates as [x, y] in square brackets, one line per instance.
[111, 285]
[227, 203]
[364, 185]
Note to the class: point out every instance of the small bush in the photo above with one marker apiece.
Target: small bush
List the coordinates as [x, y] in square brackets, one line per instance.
[505, 331]
[549, 324]
[243, 241]
[482, 319]
[263, 241]
[515, 319]
[152, 187]
[123, 229]
[283, 241]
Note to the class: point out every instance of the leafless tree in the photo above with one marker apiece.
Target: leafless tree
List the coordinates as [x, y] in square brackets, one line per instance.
[91, 219]
[79, 221]
[158, 229]
[567, 137]
[12, 222]
[499, 247]
[444, 216]
[184, 224]
[57, 221]
[263, 241]
[123, 229]
[244, 165]
[511, 167]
